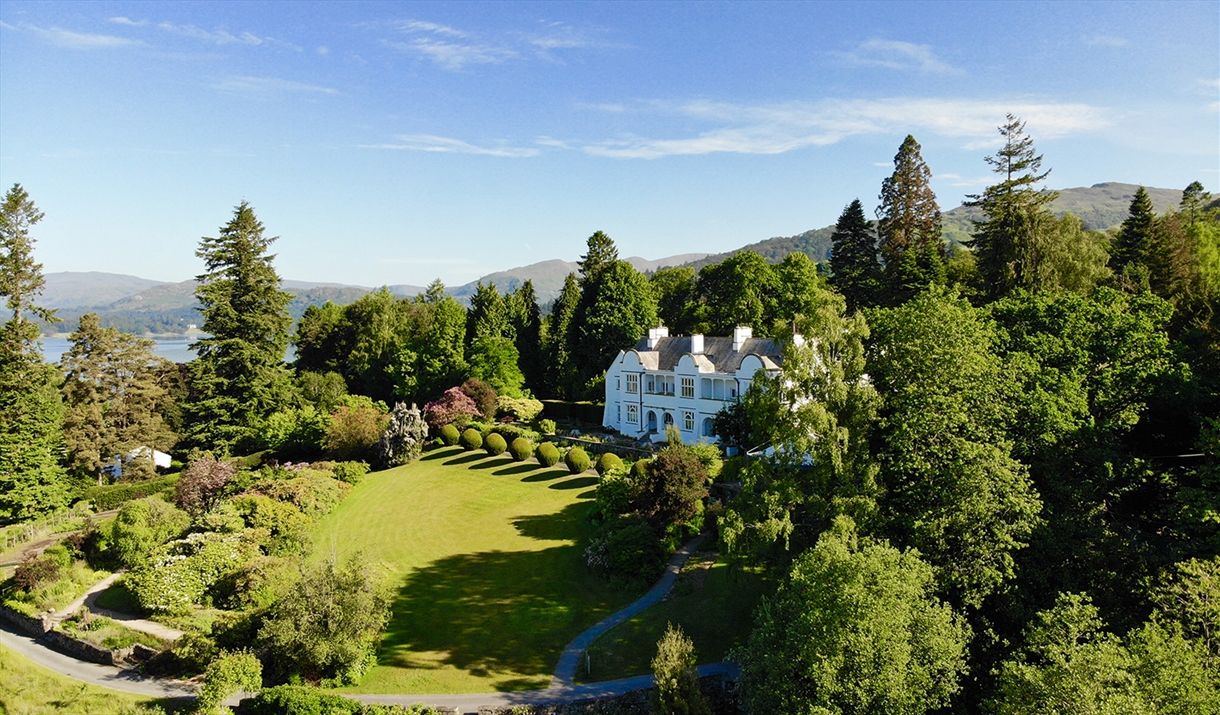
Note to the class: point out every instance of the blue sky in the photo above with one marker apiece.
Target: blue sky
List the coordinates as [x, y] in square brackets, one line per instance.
[398, 142]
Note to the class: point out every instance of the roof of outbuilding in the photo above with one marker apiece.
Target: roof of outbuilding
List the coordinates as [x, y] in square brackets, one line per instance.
[718, 352]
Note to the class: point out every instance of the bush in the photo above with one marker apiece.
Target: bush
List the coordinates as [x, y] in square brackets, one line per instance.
[350, 472]
[483, 395]
[452, 405]
[34, 571]
[522, 410]
[293, 430]
[521, 449]
[300, 700]
[627, 553]
[404, 437]
[577, 460]
[354, 431]
[614, 493]
[203, 483]
[608, 461]
[676, 690]
[450, 435]
[143, 525]
[709, 456]
[639, 470]
[547, 455]
[288, 527]
[187, 570]
[315, 493]
[328, 626]
[547, 426]
[495, 444]
[510, 432]
[471, 440]
[229, 674]
[672, 488]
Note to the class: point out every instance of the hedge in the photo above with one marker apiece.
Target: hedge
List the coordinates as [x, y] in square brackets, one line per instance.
[450, 435]
[547, 455]
[471, 440]
[577, 460]
[495, 444]
[589, 412]
[112, 496]
[521, 449]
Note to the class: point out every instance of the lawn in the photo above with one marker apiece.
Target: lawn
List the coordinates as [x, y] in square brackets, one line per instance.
[715, 609]
[487, 566]
[27, 688]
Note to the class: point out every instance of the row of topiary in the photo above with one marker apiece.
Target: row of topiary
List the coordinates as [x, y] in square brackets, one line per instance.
[521, 449]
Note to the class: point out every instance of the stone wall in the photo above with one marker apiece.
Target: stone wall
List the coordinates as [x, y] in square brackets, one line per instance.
[78, 649]
[33, 627]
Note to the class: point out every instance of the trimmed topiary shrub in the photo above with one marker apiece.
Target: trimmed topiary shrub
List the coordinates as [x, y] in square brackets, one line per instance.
[471, 440]
[608, 460]
[577, 460]
[521, 449]
[495, 444]
[639, 470]
[450, 435]
[547, 455]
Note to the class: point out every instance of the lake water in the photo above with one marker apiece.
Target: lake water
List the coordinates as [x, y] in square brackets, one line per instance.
[172, 349]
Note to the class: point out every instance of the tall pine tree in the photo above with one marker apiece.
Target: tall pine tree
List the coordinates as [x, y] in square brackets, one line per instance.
[525, 319]
[1132, 248]
[239, 376]
[560, 367]
[31, 414]
[908, 227]
[1012, 243]
[854, 269]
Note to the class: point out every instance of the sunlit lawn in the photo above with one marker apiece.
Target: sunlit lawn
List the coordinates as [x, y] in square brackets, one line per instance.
[488, 570]
[716, 617]
[27, 688]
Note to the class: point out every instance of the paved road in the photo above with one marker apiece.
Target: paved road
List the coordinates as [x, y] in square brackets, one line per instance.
[569, 660]
[106, 676]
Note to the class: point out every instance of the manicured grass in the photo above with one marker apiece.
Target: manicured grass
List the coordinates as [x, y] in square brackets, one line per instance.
[486, 560]
[716, 617]
[27, 688]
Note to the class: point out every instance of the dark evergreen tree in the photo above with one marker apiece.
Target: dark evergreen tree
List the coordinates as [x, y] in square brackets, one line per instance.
[1194, 202]
[1012, 243]
[854, 269]
[525, 321]
[600, 254]
[31, 414]
[559, 365]
[239, 376]
[1132, 248]
[908, 227]
[617, 308]
[487, 317]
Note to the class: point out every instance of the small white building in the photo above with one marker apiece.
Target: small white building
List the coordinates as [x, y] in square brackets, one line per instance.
[683, 381]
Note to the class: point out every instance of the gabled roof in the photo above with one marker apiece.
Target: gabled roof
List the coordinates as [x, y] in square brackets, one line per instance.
[718, 352]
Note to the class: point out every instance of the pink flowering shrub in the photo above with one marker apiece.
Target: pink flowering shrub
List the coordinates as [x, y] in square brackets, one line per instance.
[452, 404]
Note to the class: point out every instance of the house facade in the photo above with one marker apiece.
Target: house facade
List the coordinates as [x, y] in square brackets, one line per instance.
[683, 381]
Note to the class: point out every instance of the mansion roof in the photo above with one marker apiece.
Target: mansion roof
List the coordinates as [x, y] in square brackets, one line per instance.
[717, 356]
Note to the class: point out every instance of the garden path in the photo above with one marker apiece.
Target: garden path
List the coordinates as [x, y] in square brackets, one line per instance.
[135, 623]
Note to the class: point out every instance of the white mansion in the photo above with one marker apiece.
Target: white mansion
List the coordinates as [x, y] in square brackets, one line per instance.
[682, 381]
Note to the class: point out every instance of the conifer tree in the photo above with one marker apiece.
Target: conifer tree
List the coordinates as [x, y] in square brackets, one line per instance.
[113, 396]
[31, 414]
[559, 365]
[1012, 243]
[908, 227]
[1132, 248]
[854, 269]
[1194, 202]
[525, 320]
[239, 375]
[488, 316]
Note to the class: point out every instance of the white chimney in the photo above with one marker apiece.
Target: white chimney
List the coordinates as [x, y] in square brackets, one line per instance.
[696, 344]
[741, 334]
[655, 335]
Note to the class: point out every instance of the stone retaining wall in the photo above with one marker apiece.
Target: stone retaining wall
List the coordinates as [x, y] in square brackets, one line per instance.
[78, 649]
[33, 627]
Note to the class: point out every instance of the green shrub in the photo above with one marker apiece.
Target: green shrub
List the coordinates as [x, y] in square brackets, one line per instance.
[229, 674]
[287, 526]
[350, 472]
[495, 444]
[523, 409]
[450, 435]
[143, 525]
[639, 470]
[614, 493]
[547, 455]
[114, 495]
[627, 553]
[521, 449]
[709, 455]
[511, 432]
[608, 461]
[577, 460]
[314, 492]
[187, 569]
[471, 439]
[547, 426]
[676, 690]
[300, 700]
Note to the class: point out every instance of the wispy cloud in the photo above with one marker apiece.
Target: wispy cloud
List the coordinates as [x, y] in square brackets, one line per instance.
[433, 143]
[892, 54]
[269, 86]
[431, 27]
[79, 40]
[221, 36]
[446, 46]
[128, 21]
[779, 128]
[561, 36]
[1104, 41]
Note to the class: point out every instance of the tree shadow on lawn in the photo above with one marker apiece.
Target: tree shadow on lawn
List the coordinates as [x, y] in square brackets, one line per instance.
[550, 474]
[500, 461]
[574, 483]
[441, 453]
[502, 612]
[518, 469]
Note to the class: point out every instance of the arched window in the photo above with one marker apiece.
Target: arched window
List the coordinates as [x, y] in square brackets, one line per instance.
[652, 422]
[707, 427]
[669, 420]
